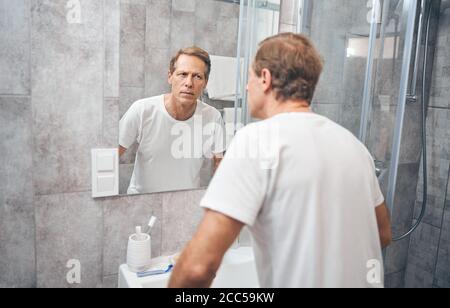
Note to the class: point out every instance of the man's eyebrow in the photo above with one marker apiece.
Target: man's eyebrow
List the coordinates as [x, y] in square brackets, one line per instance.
[193, 73]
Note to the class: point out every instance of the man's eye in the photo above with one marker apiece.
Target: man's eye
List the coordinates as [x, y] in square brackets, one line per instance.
[198, 77]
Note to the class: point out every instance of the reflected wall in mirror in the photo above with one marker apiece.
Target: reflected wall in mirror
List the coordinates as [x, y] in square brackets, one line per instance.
[171, 117]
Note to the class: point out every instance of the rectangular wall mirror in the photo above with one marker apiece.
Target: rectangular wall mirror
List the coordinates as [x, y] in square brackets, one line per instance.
[174, 120]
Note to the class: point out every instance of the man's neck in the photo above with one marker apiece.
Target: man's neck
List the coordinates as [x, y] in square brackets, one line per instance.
[290, 106]
[177, 110]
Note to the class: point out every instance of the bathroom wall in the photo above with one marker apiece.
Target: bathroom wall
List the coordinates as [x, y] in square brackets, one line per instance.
[60, 92]
[429, 248]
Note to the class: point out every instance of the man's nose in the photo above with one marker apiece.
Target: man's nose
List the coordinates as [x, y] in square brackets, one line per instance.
[189, 82]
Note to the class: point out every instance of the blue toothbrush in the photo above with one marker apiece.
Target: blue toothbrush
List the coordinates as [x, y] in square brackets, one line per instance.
[154, 273]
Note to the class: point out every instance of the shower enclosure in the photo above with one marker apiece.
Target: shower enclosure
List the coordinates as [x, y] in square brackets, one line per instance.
[376, 83]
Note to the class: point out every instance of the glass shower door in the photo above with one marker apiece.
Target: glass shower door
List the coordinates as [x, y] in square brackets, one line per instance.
[259, 19]
[341, 31]
[384, 114]
[370, 60]
[367, 48]
[400, 92]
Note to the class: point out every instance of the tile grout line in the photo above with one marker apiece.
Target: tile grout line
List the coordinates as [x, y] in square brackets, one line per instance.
[30, 72]
[102, 256]
[438, 107]
[15, 95]
[146, 47]
[442, 226]
[162, 227]
[102, 136]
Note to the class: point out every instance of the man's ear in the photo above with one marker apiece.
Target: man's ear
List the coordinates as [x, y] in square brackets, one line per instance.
[266, 79]
[169, 77]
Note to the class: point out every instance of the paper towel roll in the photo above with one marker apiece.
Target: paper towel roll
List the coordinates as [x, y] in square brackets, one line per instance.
[222, 80]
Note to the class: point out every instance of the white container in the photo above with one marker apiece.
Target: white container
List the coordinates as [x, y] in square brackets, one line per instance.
[139, 252]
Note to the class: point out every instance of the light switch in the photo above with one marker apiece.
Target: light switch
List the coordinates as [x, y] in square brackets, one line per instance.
[105, 162]
[105, 172]
[105, 183]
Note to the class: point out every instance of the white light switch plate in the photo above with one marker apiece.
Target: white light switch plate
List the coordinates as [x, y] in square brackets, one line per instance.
[105, 162]
[105, 172]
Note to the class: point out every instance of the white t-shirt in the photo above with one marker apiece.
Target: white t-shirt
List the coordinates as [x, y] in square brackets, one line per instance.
[309, 203]
[171, 153]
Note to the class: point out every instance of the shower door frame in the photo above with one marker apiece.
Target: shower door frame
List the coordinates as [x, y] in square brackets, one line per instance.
[410, 8]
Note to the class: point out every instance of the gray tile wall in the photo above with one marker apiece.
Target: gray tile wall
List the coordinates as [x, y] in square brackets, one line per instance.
[112, 48]
[17, 256]
[68, 226]
[428, 260]
[397, 253]
[176, 229]
[59, 97]
[67, 62]
[425, 260]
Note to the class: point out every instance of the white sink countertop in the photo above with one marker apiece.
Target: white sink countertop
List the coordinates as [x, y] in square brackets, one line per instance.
[238, 270]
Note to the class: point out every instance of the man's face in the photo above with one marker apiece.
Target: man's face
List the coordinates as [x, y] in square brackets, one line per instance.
[188, 80]
[255, 95]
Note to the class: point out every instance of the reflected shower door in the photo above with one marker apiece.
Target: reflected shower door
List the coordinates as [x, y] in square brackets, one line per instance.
[258, 20]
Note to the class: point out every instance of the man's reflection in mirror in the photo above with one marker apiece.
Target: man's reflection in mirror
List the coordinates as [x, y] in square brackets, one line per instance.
[176, 133]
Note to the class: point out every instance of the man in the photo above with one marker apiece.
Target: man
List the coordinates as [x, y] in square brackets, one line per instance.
[316, 212]
[165, 160]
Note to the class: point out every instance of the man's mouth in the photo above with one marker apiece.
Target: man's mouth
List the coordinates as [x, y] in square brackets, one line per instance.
[187, 93]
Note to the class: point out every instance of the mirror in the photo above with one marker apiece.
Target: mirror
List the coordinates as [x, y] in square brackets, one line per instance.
[173, 120]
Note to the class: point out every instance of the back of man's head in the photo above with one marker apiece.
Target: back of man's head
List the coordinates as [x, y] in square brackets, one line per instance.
[294, 63]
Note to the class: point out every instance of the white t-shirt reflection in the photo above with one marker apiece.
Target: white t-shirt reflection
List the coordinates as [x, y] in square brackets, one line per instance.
[171, 153]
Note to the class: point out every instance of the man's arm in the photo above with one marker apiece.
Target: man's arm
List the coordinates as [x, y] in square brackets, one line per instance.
[202, 257]
[384, 225]
[217, 159]
[122, 150]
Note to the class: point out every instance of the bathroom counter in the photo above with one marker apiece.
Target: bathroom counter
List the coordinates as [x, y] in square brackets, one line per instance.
[238, 270]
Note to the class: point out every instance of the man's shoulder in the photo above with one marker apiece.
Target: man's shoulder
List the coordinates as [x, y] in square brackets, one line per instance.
[147, 103]
[154, 100]
[253, 131]
[207, 109]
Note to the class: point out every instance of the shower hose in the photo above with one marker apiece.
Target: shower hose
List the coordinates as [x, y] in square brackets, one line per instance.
[424, 135]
